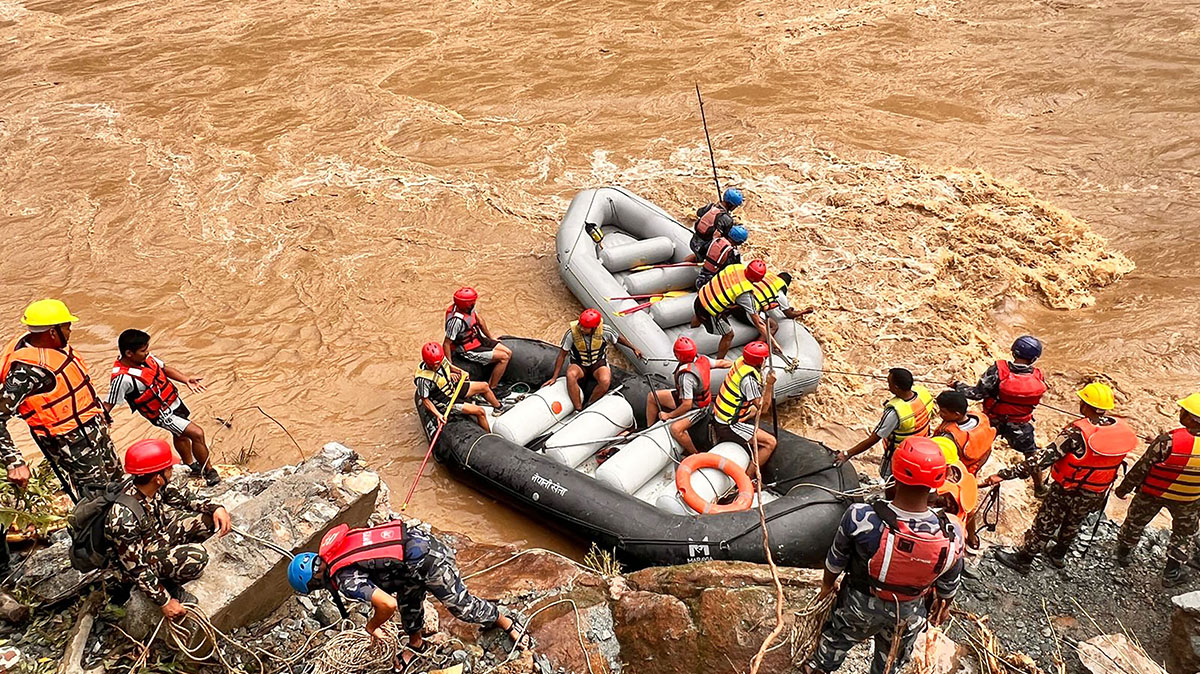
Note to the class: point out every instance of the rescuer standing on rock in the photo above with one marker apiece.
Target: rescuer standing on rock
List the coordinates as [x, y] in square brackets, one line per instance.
[1084, 460]
[392, 566]
[156, 529]
[468, 335]
[909, 413]
[1167, 476]
[1011, 390]
[894, 553]
[47, 384]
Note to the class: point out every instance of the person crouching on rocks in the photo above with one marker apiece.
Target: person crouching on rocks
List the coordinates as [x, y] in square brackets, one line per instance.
[895, 555]
[392, 567]
[155, 528]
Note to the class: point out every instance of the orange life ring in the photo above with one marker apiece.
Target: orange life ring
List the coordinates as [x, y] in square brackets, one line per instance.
[693, 463]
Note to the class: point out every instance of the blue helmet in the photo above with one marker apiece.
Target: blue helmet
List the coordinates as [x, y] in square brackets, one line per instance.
[301, 570]
[733, 197]
[1027, 347]
[738, 234]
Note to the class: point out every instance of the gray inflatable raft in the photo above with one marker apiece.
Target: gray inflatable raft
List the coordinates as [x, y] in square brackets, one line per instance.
[638, 233]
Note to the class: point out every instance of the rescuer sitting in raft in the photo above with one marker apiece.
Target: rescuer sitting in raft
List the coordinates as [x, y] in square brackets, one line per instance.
[144, 381]
[743, 397]
[1084, 459]
[721, 252]
[691, 392]
[713, 220]
[894, 554]
[1167, 476]
[907, 414]
[587, 341]
[729, 290]
[438, 385]
[392, 566]
[1011, 390]
[467, 334]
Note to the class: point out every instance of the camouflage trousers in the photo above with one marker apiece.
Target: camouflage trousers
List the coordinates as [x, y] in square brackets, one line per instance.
[859, 616]
[183, 557]
[1059, 518]
[1018, 436]
[85, 459]
[438, 575]
[1185, 522]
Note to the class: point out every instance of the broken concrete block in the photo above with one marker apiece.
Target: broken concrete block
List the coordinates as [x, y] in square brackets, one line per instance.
[1115, 654]
[245, 580]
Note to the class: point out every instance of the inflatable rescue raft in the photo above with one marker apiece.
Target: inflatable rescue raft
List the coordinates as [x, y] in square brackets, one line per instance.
[636, 234]
[545, 458]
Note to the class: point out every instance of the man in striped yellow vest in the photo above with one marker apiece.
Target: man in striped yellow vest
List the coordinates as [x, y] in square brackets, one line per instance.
[586, 342]
[732, 288]
[742, 397]
[1167, 476]
[909, 413]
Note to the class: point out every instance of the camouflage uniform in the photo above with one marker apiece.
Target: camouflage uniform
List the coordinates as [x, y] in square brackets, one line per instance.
[435, 573]
[166, 544]
[859, 616]
[1185, 516]
[85, 458]
[1063, 511]
[1018, 436]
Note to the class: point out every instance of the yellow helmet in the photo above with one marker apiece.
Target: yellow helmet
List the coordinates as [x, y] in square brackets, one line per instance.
[47, 313]
[1191, 404]
[1098, 395]
[949, 449]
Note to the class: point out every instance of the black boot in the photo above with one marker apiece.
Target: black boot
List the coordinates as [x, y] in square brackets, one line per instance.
[1124, 555]
[1057, 555]
[1175, 574]
[1017, 560]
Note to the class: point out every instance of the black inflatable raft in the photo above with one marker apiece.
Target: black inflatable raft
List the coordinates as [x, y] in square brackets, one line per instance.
[801, 483]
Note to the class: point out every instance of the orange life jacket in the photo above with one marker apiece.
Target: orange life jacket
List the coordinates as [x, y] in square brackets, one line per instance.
[160, 393]
[706, 225]
[1019, 394]
[975, 445]
[70, 404]
[1178, 477]
[1105, 448]
[702, 368]
[343, 546]
[472, 337]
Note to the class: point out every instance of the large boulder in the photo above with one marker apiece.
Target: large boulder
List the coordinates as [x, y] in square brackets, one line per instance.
[1183, 649]
[245, 580]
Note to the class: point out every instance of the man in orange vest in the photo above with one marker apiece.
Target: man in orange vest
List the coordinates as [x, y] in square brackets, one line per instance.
[972, 436]
[1167, 476]
[47, 384]
[1083, 462]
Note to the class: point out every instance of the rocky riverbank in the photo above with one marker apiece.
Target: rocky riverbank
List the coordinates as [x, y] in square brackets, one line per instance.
[705, 618]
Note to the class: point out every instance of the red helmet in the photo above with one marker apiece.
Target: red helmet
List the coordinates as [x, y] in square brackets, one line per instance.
[146, 457]
[919, 462]
[465, 298]
[756, 270]
[685, 350]
[755, 353]
[590, 318]
[432, 354]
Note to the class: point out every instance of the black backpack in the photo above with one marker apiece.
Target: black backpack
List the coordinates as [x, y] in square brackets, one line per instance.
[89, 545]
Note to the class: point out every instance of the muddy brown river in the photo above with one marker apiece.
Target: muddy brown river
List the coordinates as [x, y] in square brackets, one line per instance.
[286, 193]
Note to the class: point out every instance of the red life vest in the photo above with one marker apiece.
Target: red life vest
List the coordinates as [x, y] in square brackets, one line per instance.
[705, 226]
[1177, 478]
[160, 393]
[702, 368]
[472, 337]
[1019, 394]
[343, 546]
[908, 562]
[720, 253]
[1105, 448]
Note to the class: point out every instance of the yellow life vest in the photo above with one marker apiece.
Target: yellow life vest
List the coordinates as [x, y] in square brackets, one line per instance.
[730, 403]
[767, 292]
[721, 293]
[587, 350]
[443, 382]
[914, 415]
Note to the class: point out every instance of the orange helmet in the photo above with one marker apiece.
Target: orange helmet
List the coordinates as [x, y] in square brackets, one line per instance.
[145, 457]
[919, 462]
